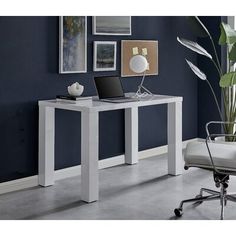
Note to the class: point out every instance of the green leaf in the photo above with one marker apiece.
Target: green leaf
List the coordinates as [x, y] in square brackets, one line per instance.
[227, 35]
[232, 53]
[196, 70]
[197, 26]
[194, 47]
[228, 80]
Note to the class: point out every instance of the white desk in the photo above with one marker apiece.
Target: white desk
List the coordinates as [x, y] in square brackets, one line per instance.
[89, 137]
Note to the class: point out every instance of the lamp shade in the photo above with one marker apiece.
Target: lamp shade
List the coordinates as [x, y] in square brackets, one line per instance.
[138, 64]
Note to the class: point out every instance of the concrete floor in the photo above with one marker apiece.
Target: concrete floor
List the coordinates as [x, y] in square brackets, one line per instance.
[142, 192]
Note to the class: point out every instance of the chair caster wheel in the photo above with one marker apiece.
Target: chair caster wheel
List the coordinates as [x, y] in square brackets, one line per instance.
[198, 196]
[178, 212]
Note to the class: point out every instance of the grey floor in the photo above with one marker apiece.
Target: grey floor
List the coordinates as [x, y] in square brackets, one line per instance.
[142, 192]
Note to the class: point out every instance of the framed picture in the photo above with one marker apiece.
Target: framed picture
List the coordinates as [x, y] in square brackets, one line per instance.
[147, 48]
[112, 25]
[104, 56]
[73, 44]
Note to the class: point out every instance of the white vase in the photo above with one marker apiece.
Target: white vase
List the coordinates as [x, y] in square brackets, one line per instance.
[75, 89]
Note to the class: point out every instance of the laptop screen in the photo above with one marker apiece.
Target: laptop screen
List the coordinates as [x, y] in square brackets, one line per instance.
[108, 87]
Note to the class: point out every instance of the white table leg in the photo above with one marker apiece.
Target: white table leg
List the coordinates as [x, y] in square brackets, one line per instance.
[46, 145]
[131, 135]
[175, 159]
[89, 156]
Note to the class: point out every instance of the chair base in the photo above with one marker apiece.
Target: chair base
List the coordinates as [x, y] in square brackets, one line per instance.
[222, 195]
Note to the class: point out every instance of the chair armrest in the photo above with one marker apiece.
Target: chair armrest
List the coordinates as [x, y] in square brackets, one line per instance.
[217, 122]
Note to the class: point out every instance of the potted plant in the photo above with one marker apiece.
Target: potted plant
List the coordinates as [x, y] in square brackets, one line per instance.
[227, 80]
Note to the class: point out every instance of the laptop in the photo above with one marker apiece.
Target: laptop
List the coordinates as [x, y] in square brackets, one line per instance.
[109, 89]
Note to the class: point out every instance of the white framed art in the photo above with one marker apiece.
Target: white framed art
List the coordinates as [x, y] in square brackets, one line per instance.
[72, 44]
[104, 56]
[112, 25]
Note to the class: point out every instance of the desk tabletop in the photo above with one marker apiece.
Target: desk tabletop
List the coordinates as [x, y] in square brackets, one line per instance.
[96, 105]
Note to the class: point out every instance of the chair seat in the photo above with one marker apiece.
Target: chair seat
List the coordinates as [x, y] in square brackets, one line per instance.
[224, 155]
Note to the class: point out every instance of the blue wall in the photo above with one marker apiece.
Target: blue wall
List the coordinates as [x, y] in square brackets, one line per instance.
[29, 72]
[207, 109]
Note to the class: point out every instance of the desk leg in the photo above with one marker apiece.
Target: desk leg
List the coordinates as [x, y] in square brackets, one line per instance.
[175, 159]
[46, 145]
[89, 156]
[131, 135]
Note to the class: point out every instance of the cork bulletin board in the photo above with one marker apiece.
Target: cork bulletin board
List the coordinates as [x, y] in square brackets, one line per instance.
[147, 48]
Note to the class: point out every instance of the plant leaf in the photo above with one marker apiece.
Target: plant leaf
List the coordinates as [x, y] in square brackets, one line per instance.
[228, 80]
[227, 34]
[194, 47]
[198, 27]
[232, 53]
[196, 70]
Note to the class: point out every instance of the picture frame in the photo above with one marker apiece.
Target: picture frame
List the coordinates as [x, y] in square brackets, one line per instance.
[104, 55]
[147, 48]
[112, 25]
[72, 44]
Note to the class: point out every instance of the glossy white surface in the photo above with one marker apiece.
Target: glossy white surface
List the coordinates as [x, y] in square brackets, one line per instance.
[131, 135]
[90, 136]
[46, 145]
[89, 156]
[96, 105]
[174, 136]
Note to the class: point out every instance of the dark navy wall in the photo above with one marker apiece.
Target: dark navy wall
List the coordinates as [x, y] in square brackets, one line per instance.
[207, 110]
[29, 72]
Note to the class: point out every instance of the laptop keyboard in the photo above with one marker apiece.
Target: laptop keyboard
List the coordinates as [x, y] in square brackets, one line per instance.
[121, 99]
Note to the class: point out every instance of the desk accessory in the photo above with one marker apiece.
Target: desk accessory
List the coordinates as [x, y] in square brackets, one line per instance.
[139, 58]
[72, 99]
[139, 64]
[146, 48]
[109, 89]
[75, 89]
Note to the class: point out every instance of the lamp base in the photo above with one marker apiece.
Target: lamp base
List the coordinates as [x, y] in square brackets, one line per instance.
[142, 92]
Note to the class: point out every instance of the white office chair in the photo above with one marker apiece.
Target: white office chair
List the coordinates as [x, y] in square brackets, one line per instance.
[220, 158]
